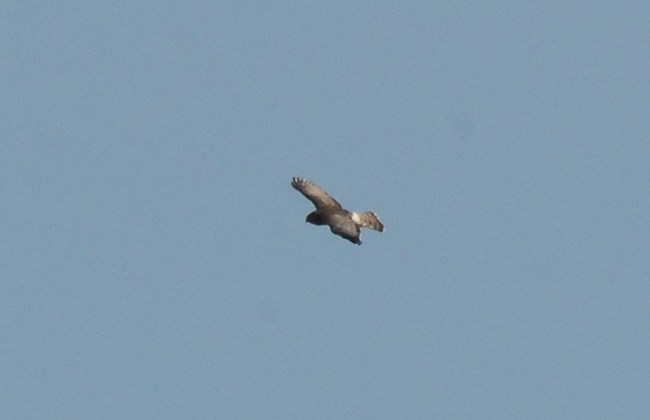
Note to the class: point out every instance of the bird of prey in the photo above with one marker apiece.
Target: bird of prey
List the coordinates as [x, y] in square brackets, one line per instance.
[347, 224]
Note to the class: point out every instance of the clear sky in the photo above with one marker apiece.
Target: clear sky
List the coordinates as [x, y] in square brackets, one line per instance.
[155, 261]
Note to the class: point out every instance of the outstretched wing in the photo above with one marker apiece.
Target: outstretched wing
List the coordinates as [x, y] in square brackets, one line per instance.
[314, 193]
[341, 224]
[368, 219]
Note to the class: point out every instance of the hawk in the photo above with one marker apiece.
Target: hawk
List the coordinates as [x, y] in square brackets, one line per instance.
[347, 224]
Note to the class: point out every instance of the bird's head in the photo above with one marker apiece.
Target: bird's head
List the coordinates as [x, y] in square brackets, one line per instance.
[315, 218]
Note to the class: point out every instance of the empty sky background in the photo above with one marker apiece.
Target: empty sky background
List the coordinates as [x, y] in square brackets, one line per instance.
[155, 262]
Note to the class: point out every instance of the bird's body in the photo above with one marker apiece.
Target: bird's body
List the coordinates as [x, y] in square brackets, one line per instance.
[342, 222]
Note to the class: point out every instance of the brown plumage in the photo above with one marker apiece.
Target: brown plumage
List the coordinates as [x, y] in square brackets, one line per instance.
[342, 222]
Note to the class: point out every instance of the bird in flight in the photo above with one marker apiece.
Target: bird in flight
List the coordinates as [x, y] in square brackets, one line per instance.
[347, 224]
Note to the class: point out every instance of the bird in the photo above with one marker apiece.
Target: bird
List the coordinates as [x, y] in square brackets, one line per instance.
[344, 223]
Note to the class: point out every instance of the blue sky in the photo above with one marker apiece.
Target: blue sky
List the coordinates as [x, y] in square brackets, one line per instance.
[155, 262]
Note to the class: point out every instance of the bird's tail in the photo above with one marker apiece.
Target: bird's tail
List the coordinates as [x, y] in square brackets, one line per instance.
[368, 219]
